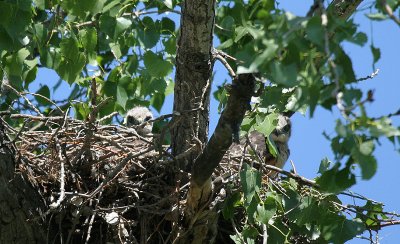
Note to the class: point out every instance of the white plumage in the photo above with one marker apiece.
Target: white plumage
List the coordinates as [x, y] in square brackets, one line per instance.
[136, 117]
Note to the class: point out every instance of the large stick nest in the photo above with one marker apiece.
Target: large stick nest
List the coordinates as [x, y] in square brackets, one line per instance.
[91, 175]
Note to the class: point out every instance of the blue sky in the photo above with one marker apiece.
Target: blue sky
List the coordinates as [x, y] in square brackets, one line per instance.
[307, 145]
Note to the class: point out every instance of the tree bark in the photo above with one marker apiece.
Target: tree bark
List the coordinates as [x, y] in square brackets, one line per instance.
[19, 202]
[200, 220]
[194, 67]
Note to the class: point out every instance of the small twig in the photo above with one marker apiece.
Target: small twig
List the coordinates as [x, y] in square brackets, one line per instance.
[25, 98]
[39, 118]
[62, 177]
[389, 12]
[388, 116]
[45, 98]
[89, 231]
[118, 169]
[20, 131]
[371, 76]
[2, 113]
[293, 167]
[216, 54]
[107, 117]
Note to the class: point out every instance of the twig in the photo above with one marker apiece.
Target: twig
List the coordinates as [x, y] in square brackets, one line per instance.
[118, 169]
[107, 117]
[20, 131]
[389, 12]
[45, 98]
[216, 54]
[293, 167]
[25, 98]
[371, 76]
[62, 178]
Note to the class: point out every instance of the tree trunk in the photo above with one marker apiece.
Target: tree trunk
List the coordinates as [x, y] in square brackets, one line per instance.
[194, 67]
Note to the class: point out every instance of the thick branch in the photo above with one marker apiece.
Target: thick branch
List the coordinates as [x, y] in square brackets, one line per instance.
[229, 123]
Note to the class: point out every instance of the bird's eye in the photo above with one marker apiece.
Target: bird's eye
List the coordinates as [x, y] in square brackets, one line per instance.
[132, 121]
[287, 128]
[147, 118]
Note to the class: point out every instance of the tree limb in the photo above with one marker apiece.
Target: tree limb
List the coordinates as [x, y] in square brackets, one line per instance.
[240, 93]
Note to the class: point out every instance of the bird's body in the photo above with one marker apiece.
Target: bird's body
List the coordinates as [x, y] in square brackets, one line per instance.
[280, 137]
[137, 117]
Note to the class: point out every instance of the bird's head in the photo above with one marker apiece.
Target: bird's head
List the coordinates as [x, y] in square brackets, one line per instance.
[137, 116]
[283, 129]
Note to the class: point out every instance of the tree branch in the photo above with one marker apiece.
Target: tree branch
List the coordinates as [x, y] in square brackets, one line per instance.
[240, 93]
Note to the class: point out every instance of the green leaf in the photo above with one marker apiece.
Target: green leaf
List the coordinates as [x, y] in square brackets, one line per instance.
[40, 33]
[169, 4]
[376, 53]
[170, 45]
[70, 70]
[268, 124]
[383, 127]
[132, 64]
[366, 148]
[308, 211]
[157, 101]
[264, 58]
[240, 32]
[335, 180]
[377, 16]
[122, 24]
[226, 44]
[116, 50]
[360, 38]
[156, 65]
[44, 91]
[366, 161]
[148, 34]
[122, 96]
[345, 67]
[107, 25]
[15, 18]
[315, 32]
[88, 38]
[15, 62]
[249, 233]
[228, 24]
[251, 182]
[82, 8]
[40, 4]
[338, 229]
[72, 61]
[267, 209]
[324, 165]
[170, 87]
[81, 110]
[50, 58]
[69, 48]
[167, 26]
[284, 74]
[230, 203]
[340, 129]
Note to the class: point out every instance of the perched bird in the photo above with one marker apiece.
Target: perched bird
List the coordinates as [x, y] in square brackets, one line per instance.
[136, 117]
[280, 137]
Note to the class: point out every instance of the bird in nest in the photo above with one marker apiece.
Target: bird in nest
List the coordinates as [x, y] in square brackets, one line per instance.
[137, 118]
[279, 136]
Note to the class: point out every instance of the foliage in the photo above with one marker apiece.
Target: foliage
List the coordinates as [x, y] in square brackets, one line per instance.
[127, 48]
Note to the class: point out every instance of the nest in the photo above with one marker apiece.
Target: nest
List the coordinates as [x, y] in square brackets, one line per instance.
[92, 177]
